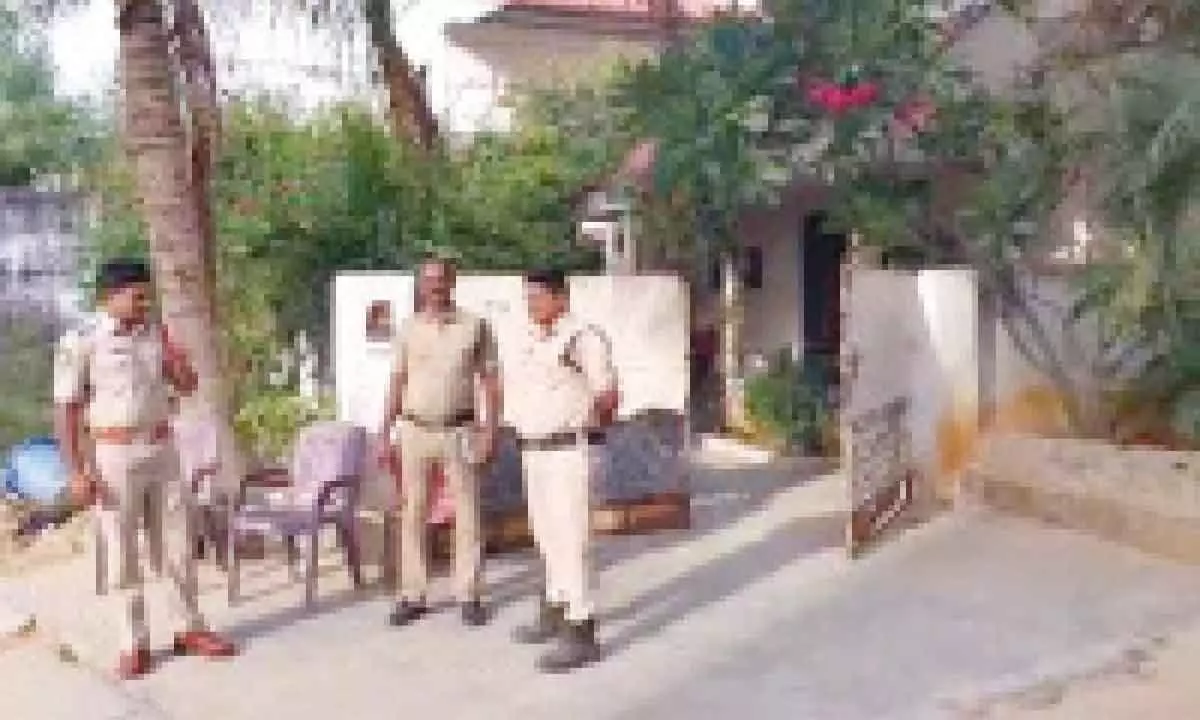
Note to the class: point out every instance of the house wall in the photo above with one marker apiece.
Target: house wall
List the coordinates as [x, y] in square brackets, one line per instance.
[519, 59]
[773, 312]
[999, 48]
[996, 49]
[1146, 498]
[1025, 400]
[945, 375]
[922, 335]
[40, 253]
[645, 316]
[912, 335]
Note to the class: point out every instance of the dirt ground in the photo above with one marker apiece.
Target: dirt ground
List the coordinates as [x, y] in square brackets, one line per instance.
[19, 554]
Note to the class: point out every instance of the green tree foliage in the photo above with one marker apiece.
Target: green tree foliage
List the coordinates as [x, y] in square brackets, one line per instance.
[733, 107]
[729, 105]
[1148, 291]
[39, 133]
[790, 403]
[26, 375]
[298, 201]
[732, 110]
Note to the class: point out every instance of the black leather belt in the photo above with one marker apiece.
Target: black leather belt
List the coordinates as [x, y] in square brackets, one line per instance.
[454, 421]
[562, 440]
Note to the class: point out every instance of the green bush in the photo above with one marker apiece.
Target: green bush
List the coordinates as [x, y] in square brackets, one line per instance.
[789, 401]
[270, 420]
[27, 376]
[1186, 420]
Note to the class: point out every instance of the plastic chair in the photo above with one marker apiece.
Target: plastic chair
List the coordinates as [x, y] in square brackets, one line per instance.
[320, 488]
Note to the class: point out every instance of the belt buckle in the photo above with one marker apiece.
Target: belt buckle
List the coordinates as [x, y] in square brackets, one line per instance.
[153, 434]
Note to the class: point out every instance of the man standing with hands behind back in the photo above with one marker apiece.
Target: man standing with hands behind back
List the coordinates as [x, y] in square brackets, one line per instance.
[114, 382]
[439, 353]
[563, 395]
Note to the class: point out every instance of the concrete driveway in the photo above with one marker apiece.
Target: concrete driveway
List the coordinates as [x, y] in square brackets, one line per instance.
[754, 613]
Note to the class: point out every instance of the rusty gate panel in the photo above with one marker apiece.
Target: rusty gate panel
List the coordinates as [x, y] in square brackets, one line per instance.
[878, 349]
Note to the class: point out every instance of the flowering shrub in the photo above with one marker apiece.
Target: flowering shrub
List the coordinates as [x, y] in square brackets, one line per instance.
[837, 98]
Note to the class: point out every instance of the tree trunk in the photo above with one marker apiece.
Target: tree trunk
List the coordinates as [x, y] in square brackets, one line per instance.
[194, 64]
[174, 209]
[409, 113]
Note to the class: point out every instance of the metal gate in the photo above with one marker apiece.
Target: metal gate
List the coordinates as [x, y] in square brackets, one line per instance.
[877, 348]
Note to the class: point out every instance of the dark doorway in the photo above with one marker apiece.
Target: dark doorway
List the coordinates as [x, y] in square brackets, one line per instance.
[822, 252]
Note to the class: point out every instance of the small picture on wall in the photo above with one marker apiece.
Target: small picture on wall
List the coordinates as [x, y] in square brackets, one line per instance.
[379, 321]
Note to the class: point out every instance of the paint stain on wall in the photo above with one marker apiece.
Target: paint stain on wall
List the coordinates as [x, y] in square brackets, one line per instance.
[1034, 410]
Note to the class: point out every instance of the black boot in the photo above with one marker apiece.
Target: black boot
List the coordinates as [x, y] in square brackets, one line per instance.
[544, 627]
[407, 611]
[474, 613]
[576, 647]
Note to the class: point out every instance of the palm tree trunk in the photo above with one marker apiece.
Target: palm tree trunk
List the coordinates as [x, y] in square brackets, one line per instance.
[195, 66]
[409, 112]
[173, 208]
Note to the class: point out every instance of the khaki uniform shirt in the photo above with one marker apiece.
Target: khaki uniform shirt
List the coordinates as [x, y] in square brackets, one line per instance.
[118, 376]
[553, 379]
[441, 357]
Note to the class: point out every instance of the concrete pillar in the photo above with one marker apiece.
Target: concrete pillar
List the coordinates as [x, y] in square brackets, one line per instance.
[732, 320]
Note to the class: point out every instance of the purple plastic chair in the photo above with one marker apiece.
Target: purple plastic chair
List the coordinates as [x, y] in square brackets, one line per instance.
[321, 488]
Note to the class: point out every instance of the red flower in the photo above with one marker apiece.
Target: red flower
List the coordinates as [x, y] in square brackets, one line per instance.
[837, 99]
[822, 93]
[863, 94]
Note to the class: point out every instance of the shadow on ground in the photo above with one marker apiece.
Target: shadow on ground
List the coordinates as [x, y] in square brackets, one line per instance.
[722, 495]
[722, 577]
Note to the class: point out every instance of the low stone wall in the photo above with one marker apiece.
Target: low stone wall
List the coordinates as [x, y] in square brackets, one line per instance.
[642, 486]
[1146, 498]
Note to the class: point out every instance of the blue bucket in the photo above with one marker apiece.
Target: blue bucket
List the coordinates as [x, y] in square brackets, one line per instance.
[8, 480]
[36, 472]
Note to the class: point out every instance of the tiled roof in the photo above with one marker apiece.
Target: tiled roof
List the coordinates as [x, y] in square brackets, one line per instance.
[643, 9]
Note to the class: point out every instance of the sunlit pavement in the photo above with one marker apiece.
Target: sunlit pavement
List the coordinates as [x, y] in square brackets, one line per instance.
[754, 613]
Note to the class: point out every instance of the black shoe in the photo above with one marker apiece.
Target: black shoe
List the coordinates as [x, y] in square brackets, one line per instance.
[576, 647]
[406, 611]
[544, 627]
[474, 613]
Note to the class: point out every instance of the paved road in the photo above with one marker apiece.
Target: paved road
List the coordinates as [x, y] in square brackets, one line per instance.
[753, 614]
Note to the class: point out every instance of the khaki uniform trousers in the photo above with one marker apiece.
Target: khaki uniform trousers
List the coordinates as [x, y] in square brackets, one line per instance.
[558, 495]
[142, 488]
[420, 448]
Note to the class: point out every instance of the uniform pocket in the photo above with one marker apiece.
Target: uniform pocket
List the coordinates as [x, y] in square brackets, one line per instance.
[112, 365]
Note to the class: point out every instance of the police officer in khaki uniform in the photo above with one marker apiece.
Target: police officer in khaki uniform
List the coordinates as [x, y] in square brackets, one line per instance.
[562, 391]
[439, 354]
[114, 383]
